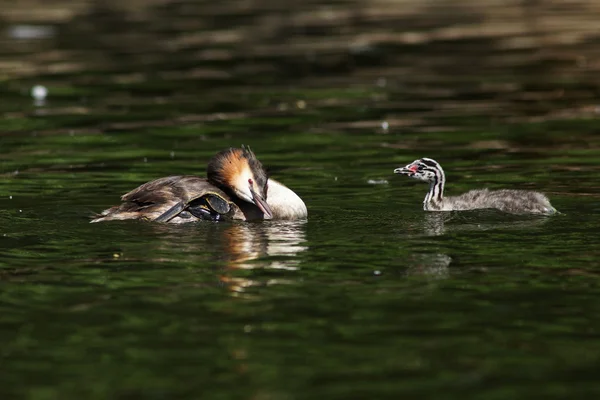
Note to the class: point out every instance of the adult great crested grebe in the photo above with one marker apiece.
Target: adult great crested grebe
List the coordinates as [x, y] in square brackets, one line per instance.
[510, 201]
[236, 187]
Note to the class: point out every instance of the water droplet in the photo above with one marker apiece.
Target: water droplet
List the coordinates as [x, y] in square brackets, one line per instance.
[28, 32]
[39, 92]
[377, 181]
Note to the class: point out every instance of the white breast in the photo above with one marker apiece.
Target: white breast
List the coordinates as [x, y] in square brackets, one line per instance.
[284, 203]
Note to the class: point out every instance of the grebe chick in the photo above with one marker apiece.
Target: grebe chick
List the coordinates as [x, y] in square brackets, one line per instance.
[236, 187]
[510, 201]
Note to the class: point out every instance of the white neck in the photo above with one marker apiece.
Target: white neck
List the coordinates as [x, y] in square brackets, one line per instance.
[284, 203]
[434, 199]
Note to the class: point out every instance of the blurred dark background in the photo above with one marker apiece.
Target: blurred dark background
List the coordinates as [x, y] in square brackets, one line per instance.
[517, 60]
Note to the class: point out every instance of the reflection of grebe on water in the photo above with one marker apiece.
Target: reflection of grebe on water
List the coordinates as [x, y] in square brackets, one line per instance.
[271, 245]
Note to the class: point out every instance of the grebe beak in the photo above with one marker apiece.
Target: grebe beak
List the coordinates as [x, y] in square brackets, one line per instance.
[409, 170]
[262, 204]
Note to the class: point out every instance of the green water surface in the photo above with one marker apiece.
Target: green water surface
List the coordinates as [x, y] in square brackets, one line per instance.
[370, 298]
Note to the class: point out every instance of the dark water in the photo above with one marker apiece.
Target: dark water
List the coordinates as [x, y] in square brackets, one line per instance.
[369, 298]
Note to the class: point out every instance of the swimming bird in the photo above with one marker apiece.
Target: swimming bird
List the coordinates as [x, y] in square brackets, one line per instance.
[236, 187]
[510, 201]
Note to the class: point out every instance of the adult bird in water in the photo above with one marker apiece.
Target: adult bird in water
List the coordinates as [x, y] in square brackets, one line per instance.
[510, 201]
[236, 187]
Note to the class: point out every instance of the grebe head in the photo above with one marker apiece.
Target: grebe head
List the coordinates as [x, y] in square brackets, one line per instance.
[240, 172]
[423, 169]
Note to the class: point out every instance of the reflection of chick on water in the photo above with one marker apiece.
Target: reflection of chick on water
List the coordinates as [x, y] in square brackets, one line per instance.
[437, 224]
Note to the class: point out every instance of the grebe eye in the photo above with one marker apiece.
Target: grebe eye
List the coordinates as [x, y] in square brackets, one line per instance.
[250, 181]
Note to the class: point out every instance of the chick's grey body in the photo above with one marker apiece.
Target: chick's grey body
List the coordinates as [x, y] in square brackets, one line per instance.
[506, 200]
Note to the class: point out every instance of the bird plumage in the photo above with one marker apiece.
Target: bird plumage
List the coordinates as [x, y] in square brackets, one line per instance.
[506, 200]
[235, 177]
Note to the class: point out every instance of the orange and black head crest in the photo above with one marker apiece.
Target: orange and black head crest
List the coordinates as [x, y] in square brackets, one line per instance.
[223, 166]
[239, 173]
[258, 170]
[229, 167]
